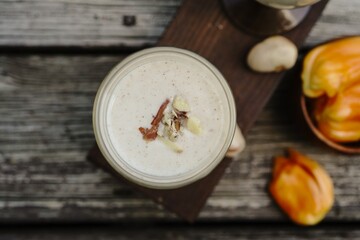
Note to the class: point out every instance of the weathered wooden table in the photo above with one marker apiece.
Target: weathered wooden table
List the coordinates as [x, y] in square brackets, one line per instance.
[54, 56]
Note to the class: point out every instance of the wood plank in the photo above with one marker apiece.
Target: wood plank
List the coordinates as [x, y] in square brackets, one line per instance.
[99, 24]
[171, 232]
[83, 23]
[45, 133]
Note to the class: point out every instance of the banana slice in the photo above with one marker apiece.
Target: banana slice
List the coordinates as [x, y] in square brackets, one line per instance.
[194, 125]
[173, 146]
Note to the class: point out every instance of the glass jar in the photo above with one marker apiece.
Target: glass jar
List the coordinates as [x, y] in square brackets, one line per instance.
[118, 158]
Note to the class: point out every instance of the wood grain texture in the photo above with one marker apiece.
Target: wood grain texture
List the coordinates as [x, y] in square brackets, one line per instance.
[45, 133]
[99, 23]
[186, 202]
[83, 23]
[45, 124]
[170, 232]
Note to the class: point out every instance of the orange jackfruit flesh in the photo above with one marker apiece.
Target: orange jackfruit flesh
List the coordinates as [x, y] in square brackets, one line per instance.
[302, 188]
[330, 68]
[338, 117]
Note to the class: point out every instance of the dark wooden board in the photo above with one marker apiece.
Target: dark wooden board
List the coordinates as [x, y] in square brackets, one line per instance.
[233, 231]
[208, 32]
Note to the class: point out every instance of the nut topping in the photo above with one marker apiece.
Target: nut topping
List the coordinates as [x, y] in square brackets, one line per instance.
[180, 104]
[169, 125]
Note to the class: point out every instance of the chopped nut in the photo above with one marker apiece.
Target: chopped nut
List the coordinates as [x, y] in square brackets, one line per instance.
[180, 104]
[174, 113]
[194, 125]
[182, 115]
[172, 128]
[161, 130]
[274, 54]
[172, 133]
[237, 144]
[302, 188]
[173, 146]
[172, 123]
[177, 125]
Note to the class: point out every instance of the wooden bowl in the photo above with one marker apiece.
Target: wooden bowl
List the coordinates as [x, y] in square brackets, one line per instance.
[350, 148]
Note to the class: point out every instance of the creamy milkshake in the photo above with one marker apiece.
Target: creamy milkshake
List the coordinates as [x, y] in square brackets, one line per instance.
[130, 98]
